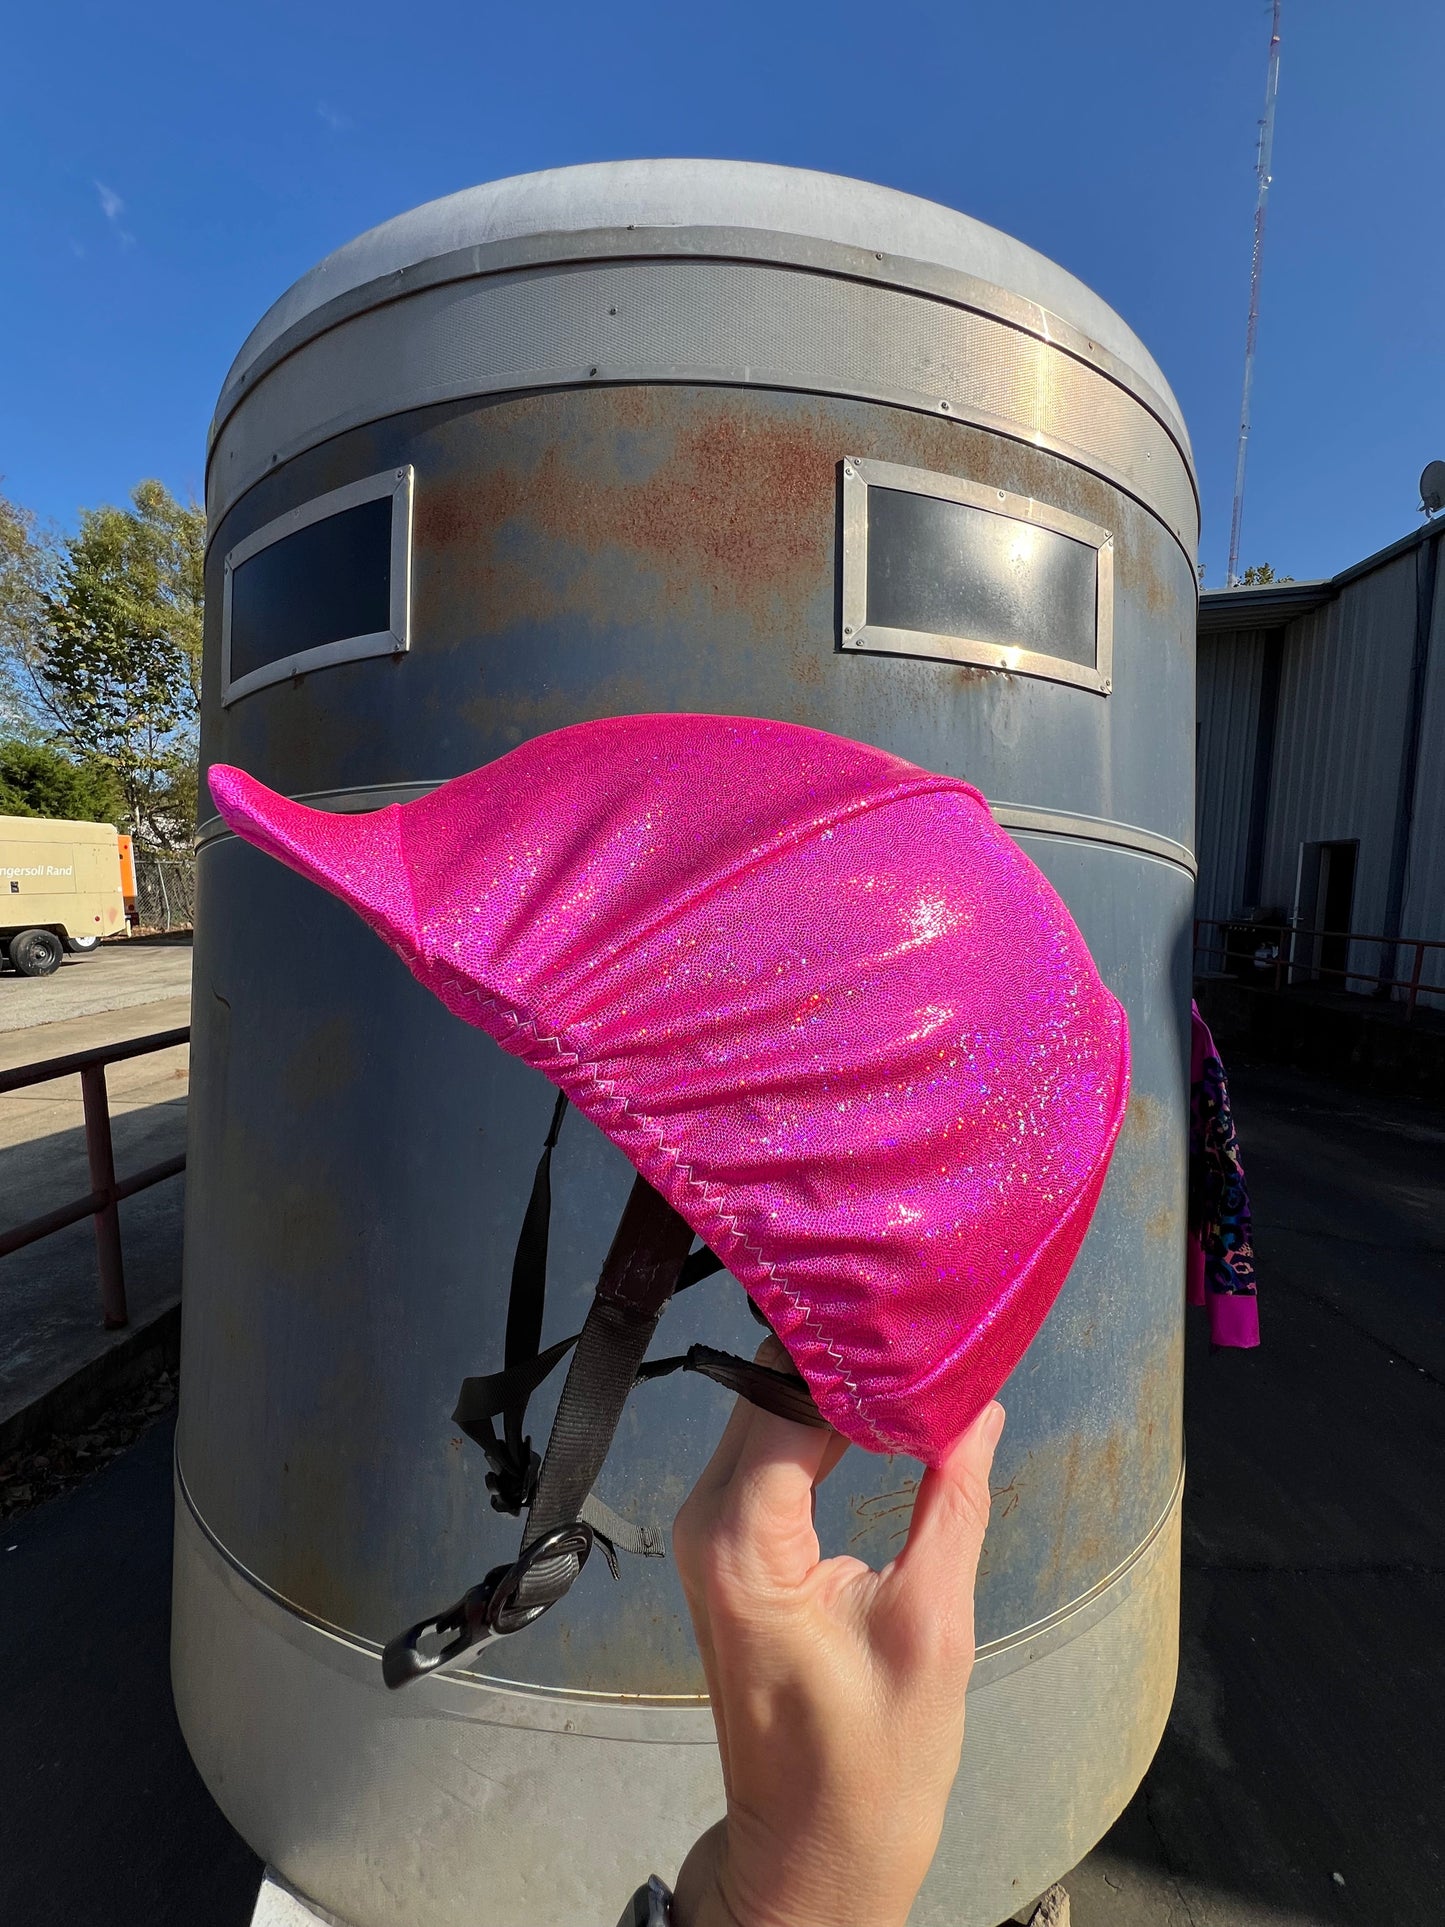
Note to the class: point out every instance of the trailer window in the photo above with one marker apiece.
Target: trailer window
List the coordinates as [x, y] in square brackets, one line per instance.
[327, 583]
[943, 567]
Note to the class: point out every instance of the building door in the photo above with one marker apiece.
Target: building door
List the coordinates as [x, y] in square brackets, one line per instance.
[1324, 905]
[1337, 904]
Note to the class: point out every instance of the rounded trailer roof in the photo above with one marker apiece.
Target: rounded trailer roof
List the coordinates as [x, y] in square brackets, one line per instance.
[695, 194]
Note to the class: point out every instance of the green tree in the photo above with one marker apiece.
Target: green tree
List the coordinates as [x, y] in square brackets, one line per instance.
[114, 671]
[27, 559]
[37, 780]
[1259, 575]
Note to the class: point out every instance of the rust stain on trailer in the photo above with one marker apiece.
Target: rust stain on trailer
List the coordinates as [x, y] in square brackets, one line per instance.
[612, 525]
[1082, 1487]
[883, 1517]
[1077, 1482]
[726, 499]
[1164, 1223]
[1143, 1157]
[720, 500]
[1146, 1119]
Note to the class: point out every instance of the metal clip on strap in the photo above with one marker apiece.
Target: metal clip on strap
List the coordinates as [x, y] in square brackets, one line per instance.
[648, 1256]
[489, 1611]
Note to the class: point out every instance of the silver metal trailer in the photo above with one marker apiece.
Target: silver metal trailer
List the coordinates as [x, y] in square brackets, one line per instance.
[649, 436]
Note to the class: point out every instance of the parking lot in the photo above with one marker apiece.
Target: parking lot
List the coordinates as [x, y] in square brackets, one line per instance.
[118, 976]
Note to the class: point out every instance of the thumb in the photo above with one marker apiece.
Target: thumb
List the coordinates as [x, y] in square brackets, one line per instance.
[950, 1516]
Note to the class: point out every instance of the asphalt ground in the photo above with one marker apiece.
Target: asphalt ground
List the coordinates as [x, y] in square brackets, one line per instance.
[117, 976]
[1300, 1781]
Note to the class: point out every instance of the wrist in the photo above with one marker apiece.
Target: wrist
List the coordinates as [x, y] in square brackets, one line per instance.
[704, 1906]
[715, 1900]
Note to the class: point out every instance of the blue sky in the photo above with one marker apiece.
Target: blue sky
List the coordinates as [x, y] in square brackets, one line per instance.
[166, 170]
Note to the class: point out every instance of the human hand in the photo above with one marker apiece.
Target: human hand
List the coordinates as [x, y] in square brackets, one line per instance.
[837, 1691]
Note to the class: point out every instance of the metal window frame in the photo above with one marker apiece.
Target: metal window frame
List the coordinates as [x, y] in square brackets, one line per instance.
[858, 634]
[399, 484]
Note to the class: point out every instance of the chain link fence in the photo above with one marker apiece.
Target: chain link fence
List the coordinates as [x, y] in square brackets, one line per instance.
[165, 890]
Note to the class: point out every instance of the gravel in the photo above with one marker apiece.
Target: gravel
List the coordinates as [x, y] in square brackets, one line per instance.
[49, 1466]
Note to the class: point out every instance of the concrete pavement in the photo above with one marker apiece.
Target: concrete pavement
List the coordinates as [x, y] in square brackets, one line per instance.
[50, 1291]
[1299, 1782]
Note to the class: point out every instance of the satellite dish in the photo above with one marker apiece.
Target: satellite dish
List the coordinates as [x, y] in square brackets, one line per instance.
[1432, 488]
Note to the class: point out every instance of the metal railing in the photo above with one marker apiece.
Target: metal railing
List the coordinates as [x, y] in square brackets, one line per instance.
[106, 1190]
[1292, 956]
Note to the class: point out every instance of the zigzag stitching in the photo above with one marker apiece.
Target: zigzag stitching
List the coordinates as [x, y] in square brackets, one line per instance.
[809, 1317]
[490, 1003]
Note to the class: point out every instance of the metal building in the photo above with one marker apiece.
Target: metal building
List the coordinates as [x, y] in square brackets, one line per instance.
[1321, 772]
[649, 436]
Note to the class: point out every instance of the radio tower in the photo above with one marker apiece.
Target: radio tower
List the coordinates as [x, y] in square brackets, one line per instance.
[1266, 145]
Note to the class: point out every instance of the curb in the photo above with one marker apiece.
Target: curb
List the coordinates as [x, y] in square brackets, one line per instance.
[69, 1406]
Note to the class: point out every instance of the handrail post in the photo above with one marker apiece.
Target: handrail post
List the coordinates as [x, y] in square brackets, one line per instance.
[99, 1151]
[1414, 991]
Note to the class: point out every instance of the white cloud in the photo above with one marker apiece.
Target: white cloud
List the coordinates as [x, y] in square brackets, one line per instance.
[330, 117]
[112, 207]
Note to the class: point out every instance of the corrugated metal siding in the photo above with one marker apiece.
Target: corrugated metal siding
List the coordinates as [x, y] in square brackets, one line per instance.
[1226, 729]
[1341, 727]
[1424, 911]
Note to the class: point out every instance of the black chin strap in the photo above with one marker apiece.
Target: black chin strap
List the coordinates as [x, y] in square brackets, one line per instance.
[640, 1275]
[782, 1393]
[513, 1463]
[648, 1263]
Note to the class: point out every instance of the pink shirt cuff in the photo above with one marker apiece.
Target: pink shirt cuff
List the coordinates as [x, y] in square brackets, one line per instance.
[1233, 1319]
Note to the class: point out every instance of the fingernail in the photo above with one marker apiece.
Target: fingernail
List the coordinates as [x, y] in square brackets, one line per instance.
[993, 1419]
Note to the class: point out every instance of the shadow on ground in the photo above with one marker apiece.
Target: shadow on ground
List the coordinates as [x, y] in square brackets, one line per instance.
[50, 1291]
[1299, 1780]
[103, 1819]
[1304, 1743]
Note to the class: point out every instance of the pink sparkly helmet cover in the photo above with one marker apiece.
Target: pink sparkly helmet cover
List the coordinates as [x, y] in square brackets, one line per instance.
[825, 1006]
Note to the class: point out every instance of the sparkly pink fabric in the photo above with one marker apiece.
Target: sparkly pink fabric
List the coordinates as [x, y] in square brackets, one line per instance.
[820, 1000]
